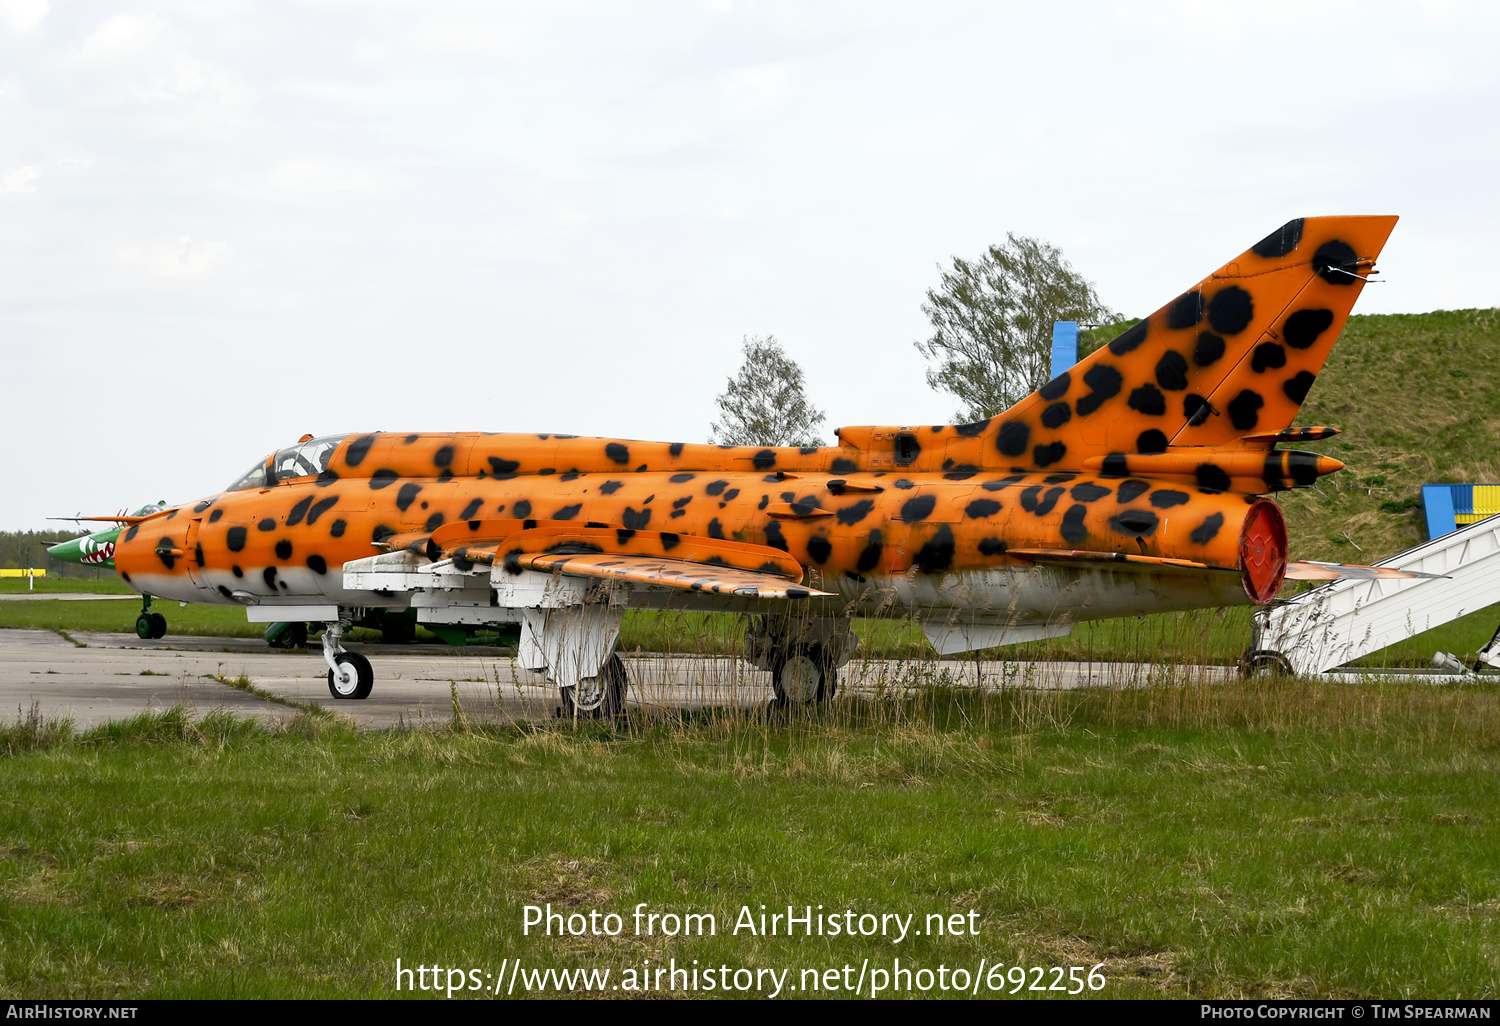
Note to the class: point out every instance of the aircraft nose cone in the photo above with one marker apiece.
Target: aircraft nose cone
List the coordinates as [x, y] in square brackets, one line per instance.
[66, 552]
[88, 550]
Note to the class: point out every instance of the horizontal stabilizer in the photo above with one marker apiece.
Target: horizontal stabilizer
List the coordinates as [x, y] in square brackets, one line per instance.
[1246, 470]
[1311, 570]
[1315, 433]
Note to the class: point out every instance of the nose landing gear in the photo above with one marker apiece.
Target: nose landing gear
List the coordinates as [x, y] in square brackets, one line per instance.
[149, 626]
[349, 673]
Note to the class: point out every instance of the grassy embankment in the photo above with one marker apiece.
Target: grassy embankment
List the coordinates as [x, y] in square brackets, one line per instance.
[1276, 840]
[1418, 397]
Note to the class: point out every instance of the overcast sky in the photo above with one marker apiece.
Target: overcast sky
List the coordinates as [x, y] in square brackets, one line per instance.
[225, 224]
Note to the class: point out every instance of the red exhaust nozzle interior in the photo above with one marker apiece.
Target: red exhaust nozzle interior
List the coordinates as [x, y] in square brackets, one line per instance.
[1263, 551]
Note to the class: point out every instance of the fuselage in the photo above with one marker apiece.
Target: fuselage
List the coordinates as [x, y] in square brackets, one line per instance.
[887, 538]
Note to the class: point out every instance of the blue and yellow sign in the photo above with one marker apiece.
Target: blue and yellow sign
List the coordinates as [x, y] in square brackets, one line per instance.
[1451, 506]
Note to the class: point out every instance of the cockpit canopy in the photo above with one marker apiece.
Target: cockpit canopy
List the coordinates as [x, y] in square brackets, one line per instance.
[301, 460]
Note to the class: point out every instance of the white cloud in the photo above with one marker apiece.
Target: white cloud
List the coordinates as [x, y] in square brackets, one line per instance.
[150, 65]
[22, 179]
[1424, 72]
[757, 88]
[185, 80]
[22, 15]
[120, 36]
[177, 258]
[195, 77]
[503, 37]
[314, 177]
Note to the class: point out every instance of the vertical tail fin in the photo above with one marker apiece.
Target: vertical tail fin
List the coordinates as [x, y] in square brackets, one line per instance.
[1231, 358]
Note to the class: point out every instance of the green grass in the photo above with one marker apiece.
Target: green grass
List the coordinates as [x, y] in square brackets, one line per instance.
[71, 585]
[119, 617]
[1280, 840]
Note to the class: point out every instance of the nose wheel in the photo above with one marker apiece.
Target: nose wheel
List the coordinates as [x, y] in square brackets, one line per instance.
[349, 673]
[149, 626]
[354, 677]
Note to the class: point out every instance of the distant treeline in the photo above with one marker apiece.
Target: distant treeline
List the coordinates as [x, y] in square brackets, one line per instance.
[20, 549]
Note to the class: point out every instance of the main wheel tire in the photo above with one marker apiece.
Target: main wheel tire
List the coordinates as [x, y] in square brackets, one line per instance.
[144, 627]
[158, 625]
[601, 697]
[358, 684]
[804, 675]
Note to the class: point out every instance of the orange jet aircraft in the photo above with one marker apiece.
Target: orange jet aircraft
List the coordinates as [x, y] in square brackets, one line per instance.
[1130, 484]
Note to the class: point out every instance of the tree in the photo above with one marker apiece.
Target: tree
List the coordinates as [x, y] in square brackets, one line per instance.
[765, 403]
[992, 322]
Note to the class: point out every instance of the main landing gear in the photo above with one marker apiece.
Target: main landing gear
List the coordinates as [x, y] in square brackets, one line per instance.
[574, 646]
[349, 673]
[601, 696]
[804, 674]
[803, 653]
[149, 626]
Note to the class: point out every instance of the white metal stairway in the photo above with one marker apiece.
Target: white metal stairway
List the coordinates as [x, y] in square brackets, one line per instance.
[1337, 622]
